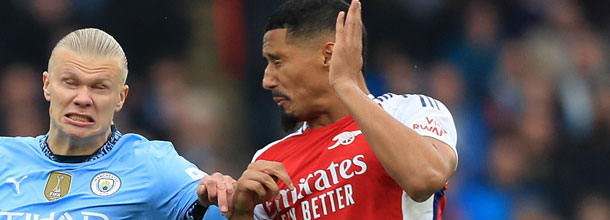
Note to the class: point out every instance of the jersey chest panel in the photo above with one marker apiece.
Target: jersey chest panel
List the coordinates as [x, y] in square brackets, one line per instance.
[48, 192]
[336, 175]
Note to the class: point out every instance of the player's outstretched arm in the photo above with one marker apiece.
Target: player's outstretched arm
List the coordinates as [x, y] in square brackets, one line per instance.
[256, 185]
[217, 189]
[421, 165]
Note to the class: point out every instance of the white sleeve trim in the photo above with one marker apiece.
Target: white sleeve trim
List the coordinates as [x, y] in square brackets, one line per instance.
[422, 114]
[259, 213]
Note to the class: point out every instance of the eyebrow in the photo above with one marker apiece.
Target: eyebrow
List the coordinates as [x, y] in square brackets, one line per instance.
[272, 56]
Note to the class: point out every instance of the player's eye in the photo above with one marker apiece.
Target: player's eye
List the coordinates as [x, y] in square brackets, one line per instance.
[70, 82]
[100, 86]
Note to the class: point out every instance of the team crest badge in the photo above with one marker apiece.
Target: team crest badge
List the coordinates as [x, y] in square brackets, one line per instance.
[58, 185]
[105, 184]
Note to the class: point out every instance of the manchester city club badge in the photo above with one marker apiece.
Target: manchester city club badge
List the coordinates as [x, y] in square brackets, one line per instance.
[105, 184]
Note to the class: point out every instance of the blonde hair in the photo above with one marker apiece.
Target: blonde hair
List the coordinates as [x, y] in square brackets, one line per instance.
[93, 42]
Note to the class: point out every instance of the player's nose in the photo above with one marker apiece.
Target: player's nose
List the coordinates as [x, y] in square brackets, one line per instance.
[269, 79]
[83, 97]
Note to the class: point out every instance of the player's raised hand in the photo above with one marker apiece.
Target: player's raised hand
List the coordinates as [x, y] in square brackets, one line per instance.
[217, 189]
[258, 184]
[346, 60]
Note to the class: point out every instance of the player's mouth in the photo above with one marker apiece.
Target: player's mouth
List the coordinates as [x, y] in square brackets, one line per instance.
[280, 98]
[79, 119]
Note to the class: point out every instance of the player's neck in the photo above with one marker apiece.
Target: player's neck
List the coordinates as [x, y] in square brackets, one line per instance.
[334, 114]
[336, 109]
[62, 144]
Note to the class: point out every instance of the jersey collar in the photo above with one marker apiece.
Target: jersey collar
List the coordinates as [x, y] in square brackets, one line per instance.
[115, 135]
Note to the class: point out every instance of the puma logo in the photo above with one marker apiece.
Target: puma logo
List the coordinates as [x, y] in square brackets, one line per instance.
[13, 181]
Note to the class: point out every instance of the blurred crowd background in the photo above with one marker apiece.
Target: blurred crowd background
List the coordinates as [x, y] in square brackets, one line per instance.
[527, 82]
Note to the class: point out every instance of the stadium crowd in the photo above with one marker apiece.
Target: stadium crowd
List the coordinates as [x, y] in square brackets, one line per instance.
[527, 82]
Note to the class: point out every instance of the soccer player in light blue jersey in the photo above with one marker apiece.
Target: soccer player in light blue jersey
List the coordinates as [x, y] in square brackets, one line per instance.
[84, 168]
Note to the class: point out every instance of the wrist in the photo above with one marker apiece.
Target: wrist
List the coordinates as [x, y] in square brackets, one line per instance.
[345, 88]
[239, 215]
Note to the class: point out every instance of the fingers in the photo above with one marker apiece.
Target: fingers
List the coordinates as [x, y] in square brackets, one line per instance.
[222, 198]
[217, 189]
[348, 28]
[273, 169]
[230, 185]
[225, 195]
[353, 23]
[262, 183]
[261, 179]
[339, 25]
[211, 185]
[358, 21]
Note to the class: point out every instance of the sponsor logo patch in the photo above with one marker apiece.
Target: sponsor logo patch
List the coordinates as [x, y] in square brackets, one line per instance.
[58, 185]
[105, 184]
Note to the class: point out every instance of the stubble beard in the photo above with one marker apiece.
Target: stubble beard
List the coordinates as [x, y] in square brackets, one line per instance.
[289, 122]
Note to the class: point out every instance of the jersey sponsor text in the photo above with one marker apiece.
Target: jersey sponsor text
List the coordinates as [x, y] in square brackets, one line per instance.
[319, 181]
[51, 216]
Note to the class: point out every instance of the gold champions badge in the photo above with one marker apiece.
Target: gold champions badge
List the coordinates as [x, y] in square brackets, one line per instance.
[58, 185]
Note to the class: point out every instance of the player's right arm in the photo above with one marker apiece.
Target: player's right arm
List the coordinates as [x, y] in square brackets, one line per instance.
[257, 185]
[217, 189]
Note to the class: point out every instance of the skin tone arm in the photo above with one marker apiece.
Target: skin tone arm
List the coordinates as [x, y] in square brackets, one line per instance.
[217, 189]
[236, 200]
[256, 185]
[421, 165]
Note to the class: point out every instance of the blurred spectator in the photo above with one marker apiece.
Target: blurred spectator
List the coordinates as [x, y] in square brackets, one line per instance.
[495, 195]
[196, 130]
[593, 207]
[507, 100]
[447, 85]
[566, 50]
[21, 88]
[527, 82]
[396, 72]
[475, 51]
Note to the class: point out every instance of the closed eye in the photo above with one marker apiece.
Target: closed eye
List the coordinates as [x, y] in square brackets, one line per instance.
[100, 86]
[70, 82]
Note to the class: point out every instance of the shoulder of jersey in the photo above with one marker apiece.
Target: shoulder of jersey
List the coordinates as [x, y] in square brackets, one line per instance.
[393, 101]
[262, 150]
[15, 144]
[141, 146]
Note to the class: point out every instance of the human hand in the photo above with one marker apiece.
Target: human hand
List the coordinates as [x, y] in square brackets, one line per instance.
[217, 189]
[258, 184]
[346, 60]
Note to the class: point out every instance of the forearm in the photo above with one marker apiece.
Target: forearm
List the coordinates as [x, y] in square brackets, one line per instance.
[415, 163]
[242, 216]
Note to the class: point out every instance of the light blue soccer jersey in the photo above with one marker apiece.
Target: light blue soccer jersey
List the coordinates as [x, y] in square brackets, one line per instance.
[135, 179]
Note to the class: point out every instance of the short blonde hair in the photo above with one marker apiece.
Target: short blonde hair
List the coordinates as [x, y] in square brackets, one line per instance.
[93, 42]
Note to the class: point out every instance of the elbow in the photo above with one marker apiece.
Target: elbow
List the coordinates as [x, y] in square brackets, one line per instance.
[421, 187]
[419, 196]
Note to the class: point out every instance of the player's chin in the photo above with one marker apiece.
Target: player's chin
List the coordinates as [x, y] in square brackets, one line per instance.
[79, 132]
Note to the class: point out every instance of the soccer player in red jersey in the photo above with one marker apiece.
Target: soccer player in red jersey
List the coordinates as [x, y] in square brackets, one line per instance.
[356, 156]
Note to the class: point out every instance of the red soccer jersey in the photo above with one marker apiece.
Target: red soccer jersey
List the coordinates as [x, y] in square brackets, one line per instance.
[337, 175]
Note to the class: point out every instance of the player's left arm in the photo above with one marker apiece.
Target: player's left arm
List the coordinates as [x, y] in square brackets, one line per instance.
[421, 165]
[179, 181]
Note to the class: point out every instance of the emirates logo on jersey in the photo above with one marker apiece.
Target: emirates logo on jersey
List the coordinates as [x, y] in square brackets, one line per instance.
[320, 193]
[345, 138]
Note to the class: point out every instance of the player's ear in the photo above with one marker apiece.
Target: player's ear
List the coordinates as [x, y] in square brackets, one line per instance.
[327, 53]
[122, 97]
[45, 86]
